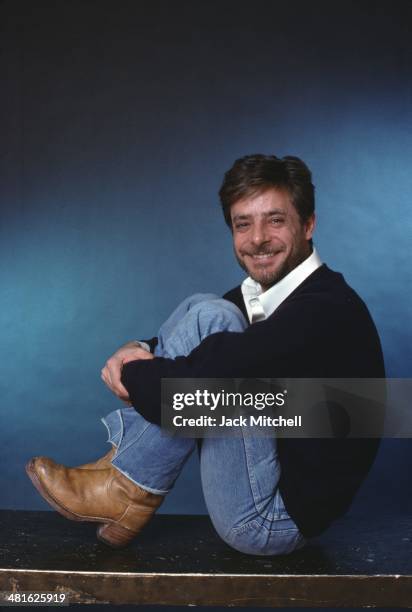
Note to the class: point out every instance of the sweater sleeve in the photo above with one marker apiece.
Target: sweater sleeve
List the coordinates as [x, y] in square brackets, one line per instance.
[269, 349]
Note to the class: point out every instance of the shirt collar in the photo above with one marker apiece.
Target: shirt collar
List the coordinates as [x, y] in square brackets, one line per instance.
[273, 297]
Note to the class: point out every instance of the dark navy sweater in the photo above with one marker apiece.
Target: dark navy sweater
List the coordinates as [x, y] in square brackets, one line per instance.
[322, 330]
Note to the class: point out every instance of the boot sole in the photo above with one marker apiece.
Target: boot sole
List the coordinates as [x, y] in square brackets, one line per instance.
[108, 532]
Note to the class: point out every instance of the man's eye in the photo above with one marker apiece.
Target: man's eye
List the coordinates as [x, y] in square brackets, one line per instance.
[277, 220]
[240, 226]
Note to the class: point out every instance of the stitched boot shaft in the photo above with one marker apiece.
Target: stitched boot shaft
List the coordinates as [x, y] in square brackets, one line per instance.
[102, 495]
[101, 463]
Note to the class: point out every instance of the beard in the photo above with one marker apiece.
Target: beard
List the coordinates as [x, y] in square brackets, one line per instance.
[267, 276]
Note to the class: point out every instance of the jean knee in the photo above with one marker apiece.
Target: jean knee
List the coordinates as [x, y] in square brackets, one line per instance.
[218, 315]
[254, 538]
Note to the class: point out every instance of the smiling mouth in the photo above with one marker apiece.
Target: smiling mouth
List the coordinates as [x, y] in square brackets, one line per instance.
[262, 256]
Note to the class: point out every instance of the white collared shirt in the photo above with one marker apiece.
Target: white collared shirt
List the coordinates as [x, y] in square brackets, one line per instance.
[260, 305]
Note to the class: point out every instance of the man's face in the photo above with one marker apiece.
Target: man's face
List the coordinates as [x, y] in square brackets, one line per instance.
[269, 237]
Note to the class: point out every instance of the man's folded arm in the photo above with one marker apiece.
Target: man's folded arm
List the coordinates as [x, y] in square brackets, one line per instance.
[263, 349]
[144, 383]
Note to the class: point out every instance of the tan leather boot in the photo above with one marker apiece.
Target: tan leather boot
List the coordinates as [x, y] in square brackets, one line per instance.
[101, 496]
[101, 464]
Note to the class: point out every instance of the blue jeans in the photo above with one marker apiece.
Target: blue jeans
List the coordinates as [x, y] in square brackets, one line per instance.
[239, 475]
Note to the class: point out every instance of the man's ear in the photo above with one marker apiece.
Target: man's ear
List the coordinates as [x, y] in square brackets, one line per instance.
[310, 226]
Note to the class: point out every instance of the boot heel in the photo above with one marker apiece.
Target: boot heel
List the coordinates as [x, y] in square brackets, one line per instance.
[114, 535]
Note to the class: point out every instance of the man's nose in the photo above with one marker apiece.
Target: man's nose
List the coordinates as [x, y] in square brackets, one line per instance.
[260, 234]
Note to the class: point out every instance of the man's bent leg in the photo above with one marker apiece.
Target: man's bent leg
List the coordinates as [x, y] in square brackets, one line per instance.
[240, 475]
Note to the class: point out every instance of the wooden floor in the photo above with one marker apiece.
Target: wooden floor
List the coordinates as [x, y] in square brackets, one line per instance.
[179, 560]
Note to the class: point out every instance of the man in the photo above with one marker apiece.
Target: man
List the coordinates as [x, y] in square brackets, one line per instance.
[292, 318]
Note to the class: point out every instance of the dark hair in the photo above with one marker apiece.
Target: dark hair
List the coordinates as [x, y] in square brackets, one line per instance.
[255, 173]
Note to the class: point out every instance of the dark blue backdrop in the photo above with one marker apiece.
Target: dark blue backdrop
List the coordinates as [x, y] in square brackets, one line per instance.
[119, 120]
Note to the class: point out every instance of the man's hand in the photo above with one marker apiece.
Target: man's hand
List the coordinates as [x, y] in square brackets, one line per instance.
[112, 371]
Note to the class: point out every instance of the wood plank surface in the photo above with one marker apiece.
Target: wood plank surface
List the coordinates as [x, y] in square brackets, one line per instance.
[179, 560]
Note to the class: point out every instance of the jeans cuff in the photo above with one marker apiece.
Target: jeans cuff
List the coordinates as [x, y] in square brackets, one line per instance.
[114, 425]
[139, 484]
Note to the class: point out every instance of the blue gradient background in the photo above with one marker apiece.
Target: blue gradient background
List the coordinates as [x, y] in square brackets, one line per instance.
[118, 121]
